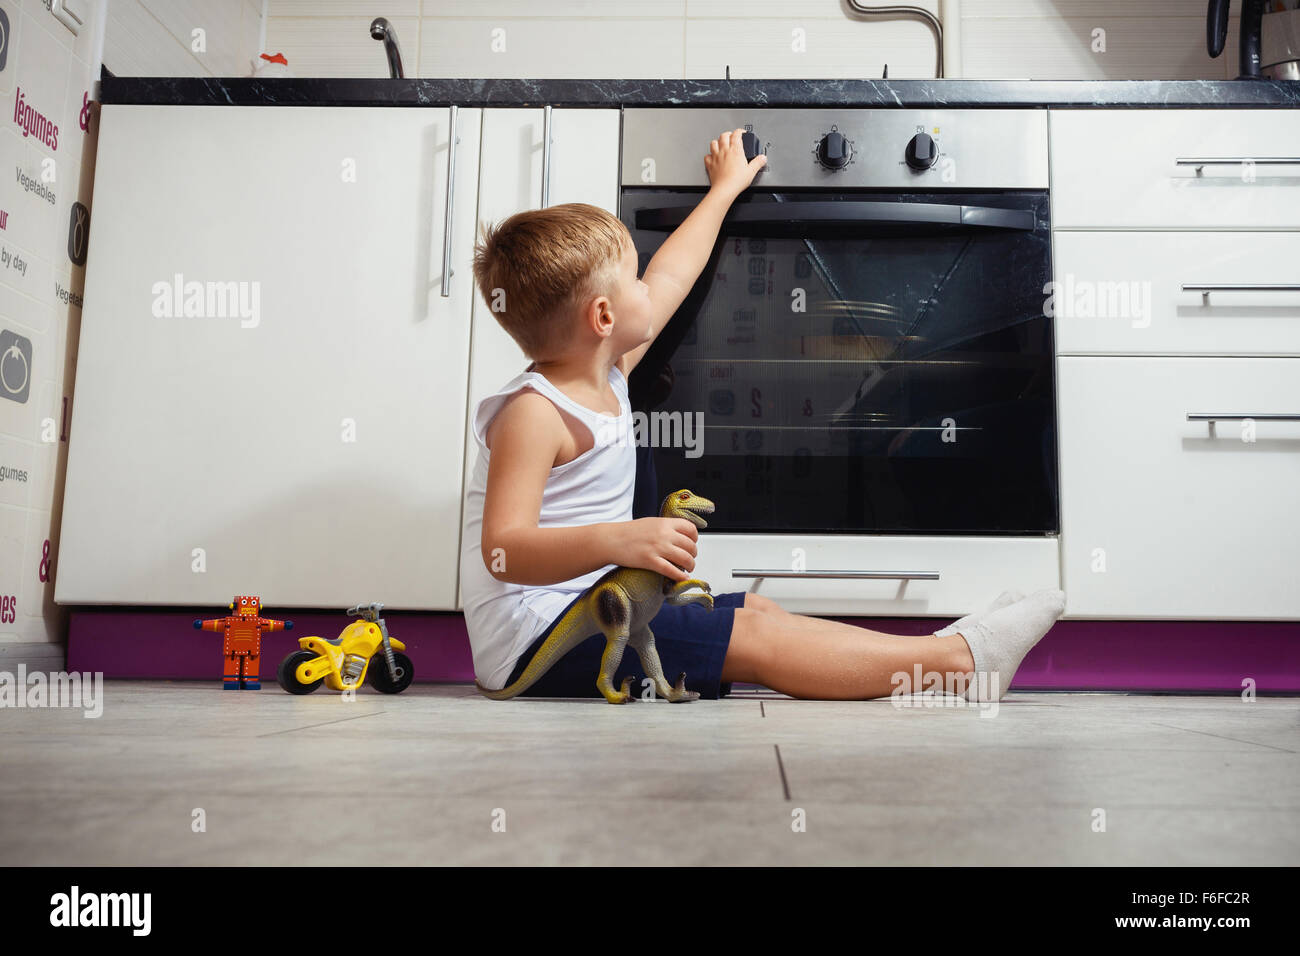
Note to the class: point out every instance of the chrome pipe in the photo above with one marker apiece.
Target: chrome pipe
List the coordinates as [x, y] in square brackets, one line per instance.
[919, 13]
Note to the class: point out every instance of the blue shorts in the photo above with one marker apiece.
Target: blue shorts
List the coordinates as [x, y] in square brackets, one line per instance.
[687, 637]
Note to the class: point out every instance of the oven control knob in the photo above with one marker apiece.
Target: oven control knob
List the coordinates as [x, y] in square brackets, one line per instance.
[834, 151]
[921, 151]
[749, 140]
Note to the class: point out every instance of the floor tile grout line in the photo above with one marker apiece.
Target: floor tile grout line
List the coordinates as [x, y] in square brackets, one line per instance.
[785, 784]
[326, 723]
[1223, 737]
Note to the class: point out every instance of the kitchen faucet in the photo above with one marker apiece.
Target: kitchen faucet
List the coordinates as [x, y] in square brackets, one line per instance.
[381, 29]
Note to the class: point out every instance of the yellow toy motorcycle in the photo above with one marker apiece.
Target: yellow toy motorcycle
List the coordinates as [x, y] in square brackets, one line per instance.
[342, 663]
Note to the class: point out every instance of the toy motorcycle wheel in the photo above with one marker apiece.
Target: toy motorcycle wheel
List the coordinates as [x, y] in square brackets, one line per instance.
[378, 678]
[288, 677]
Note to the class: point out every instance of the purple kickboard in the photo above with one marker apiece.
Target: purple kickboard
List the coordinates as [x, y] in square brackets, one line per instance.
[1169, 656]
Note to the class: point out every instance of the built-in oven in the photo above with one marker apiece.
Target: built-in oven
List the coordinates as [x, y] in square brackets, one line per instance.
[866, 354]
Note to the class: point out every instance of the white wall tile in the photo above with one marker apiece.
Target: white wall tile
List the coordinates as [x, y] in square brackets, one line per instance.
[787, 10]
[81, 45]
[540, 9]
[153, 37]
[137, 44]
[340, 46]
[250, 32]
[553, 48]
[1061, 49]
[765, 48]
[370, 9]
[1043, 39]
[220, 21]
[1083, 8]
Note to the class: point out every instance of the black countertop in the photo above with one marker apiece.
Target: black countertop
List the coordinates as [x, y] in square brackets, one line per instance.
[329, 91]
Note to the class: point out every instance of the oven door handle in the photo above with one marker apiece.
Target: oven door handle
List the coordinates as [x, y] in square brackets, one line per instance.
[849, 212]
[853, 575]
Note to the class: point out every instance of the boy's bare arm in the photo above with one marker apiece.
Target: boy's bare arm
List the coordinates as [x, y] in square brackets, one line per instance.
[672, 270]
[524, 439]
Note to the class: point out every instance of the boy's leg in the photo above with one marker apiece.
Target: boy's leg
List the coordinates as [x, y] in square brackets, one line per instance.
[817, 659]
[757, 602]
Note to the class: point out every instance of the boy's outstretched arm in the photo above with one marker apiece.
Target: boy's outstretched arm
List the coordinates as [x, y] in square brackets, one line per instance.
[672, 270]
[524, 440]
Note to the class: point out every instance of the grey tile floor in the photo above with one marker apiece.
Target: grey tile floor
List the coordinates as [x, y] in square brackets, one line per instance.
[421, 779]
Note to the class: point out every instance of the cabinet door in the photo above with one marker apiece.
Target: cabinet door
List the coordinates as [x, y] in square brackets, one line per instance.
[305, 445]
[584, 168]
[1166, 518]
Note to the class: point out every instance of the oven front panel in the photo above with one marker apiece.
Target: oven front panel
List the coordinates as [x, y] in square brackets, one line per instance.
[885, 375]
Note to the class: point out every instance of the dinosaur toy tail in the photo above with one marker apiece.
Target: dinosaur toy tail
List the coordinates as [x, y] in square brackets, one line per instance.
[575, 626]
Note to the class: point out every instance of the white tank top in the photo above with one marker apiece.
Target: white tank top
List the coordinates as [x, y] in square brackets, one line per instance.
[598, 485]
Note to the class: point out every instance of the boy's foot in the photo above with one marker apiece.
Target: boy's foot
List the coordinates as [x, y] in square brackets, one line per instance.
[1000, 641]
[1001, 601]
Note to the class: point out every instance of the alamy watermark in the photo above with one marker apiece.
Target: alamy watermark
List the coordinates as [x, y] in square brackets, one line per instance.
[208, 300]
[658, 430]
[76, 908]
[58, 689]
[945, 689]
[1092, 299]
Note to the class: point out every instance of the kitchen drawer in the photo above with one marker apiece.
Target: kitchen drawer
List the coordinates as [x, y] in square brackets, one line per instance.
[972, 571]
[1122, 292]
[1119, 169]
[1192, 523]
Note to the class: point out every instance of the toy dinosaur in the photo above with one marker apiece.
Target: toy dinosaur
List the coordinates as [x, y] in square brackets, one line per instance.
[621, 605]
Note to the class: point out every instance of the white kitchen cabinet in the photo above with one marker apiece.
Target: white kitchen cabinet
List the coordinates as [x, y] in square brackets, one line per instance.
[583, 168]
[1175, 237]
[1123, 292]
[1138, 169]
[1166, 518]
[309, 449]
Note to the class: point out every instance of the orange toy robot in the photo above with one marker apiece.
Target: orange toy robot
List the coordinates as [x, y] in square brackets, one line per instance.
[243, 640]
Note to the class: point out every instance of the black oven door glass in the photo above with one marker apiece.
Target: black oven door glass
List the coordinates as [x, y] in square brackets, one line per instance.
[857, 363]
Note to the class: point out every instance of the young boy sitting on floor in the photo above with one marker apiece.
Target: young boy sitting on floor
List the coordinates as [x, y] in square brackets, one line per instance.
[549, 506]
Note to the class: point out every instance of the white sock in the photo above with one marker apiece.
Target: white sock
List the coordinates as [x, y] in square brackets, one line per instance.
[1002, 600]
[1000, 640]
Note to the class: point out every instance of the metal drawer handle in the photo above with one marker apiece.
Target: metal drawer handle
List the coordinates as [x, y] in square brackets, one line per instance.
[452, 140]
[546, 157]
[1201, 163]
[1234, 417]
[1206, 289]
[870, 575]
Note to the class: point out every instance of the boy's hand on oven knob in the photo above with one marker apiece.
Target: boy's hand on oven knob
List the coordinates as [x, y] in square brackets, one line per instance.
[727, 164]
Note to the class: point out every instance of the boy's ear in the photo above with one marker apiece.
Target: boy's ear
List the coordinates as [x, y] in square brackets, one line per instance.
[598, 315]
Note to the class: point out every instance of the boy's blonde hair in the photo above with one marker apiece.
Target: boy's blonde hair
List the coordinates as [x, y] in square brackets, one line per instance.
[537, 267]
